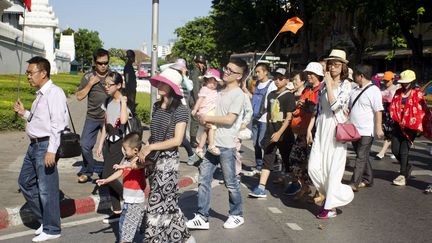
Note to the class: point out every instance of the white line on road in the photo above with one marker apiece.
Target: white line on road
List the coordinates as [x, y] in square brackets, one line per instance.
[274, 210]
[294, 226]
[64, 225]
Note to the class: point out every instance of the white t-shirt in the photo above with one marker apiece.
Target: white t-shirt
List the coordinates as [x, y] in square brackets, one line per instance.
[362, 115]
[272, 87]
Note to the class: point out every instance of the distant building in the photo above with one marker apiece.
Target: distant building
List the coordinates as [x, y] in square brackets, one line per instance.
[39, 27]
[165, 50]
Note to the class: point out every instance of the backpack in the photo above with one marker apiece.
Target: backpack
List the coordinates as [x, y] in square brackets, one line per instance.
[132, 125]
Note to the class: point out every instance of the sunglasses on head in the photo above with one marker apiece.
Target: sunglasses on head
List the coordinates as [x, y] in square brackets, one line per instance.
[102, 63]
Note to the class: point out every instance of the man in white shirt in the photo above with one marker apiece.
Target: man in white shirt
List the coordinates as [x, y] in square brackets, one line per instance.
[38, 179]
[366, 115]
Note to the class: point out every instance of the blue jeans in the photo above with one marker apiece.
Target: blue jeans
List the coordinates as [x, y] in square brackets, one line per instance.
[40, 187]
[227, 159]
[88, 140]
[258, 131]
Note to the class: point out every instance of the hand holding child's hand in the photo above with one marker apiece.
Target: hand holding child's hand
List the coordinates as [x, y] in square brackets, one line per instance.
[100, 182]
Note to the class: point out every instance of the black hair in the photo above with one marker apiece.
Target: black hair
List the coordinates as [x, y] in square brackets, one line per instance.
[175, 102]
[117, 77]
[42, 63]
[363, 69]
[241, 64]
[133, 140]
[263, 66]
[100, 53]
[130, 54]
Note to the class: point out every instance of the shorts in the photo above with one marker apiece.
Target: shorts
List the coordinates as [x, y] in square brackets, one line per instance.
[131, 220]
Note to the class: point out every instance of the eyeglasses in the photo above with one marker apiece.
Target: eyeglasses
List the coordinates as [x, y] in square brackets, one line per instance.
[32, 73]
[108, 85]
[102, 63]
[336, 65]
[280, 78]
[229, 71]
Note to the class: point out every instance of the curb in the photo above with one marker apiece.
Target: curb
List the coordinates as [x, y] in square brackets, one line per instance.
[69, 207]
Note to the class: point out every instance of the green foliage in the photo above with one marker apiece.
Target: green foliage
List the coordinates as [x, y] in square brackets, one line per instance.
[8, 96]
[197, 36]
[115, 61]
[86, 43]
[118, 53]
[143, 107]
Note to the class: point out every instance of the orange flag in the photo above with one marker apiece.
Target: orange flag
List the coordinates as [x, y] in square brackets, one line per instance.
[293, 24]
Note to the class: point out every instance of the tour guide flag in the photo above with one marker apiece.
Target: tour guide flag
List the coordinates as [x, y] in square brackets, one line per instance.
[28, 4]
[293, 24]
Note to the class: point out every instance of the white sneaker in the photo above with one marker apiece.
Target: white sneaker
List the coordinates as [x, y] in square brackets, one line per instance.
[44, 237]
[39, 230]
[399, 181]
[233, 221]
[392, 156]
[197, 223]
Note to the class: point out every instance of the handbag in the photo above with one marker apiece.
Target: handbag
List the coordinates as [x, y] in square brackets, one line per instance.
[347, 132]
[69, 142]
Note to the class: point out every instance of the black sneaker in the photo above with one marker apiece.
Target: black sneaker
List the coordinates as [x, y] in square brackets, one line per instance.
[111, 219]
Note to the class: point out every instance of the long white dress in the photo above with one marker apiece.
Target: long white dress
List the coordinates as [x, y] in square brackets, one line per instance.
[327, 158]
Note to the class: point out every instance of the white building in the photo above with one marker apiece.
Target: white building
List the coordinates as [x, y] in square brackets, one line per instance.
[39, 30]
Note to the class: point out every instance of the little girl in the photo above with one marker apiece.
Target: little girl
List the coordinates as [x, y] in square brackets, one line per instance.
[206, 105]
[134, 183]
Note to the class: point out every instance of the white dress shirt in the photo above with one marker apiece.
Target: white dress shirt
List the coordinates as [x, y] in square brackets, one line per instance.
[48, 116]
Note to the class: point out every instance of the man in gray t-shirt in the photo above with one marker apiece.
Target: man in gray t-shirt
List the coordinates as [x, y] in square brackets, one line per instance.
[228, 109]
[91, 86]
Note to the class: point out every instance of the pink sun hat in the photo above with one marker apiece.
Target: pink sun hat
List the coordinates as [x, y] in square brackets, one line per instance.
[170, 77]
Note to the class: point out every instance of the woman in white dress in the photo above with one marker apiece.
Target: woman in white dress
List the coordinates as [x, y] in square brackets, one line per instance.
[327, 158]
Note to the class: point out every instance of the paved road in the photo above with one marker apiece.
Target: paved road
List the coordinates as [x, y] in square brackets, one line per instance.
[383, 213]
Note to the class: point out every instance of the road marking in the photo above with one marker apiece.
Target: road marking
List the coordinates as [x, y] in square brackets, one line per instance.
[348, 172]
[274, 210]
[64, 225]
[294, 226]
[421, 172]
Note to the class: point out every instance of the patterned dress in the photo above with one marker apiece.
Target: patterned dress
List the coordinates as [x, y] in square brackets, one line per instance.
[165, 221]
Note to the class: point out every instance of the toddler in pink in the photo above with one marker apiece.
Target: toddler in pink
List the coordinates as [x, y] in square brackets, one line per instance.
[206, 105]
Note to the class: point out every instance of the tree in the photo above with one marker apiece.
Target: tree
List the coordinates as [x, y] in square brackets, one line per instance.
[86, 43]
[118, 53]
[197, 36]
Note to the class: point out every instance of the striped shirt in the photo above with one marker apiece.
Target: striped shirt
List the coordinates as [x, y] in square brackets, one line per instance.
[133, 184]
[160, 120]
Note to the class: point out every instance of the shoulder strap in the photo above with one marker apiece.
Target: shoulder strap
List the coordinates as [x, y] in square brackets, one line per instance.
[286, 91]
[358, 96]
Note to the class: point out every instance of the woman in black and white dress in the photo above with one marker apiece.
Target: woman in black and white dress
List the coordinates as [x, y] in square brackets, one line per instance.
[165, 221]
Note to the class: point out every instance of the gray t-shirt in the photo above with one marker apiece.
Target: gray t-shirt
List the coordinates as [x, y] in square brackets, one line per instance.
[95, 97]
[229, 102]
[113, 112]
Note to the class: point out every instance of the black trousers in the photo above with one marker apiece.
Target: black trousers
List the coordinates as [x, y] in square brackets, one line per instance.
[362, 166]
[401, 145]
[284, 145]
[113, 155]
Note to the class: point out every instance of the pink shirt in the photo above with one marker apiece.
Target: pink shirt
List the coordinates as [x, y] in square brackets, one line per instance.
[387, 94]
[209, 102]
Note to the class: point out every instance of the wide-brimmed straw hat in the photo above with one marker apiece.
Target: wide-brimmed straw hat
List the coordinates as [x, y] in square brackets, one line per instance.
[170, 77]
[339, 55]
[179, 65]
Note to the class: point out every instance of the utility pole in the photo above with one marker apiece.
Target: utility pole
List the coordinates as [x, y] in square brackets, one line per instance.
[154, 48]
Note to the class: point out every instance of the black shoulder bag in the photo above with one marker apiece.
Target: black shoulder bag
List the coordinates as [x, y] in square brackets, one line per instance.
[69, 142]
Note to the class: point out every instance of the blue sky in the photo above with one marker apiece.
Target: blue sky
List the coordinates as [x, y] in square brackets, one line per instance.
[127, 23]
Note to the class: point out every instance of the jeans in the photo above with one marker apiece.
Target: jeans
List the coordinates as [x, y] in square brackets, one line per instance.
[88, 140]
[363, 167]
[258, 131]
[40, 187]
[227, 159]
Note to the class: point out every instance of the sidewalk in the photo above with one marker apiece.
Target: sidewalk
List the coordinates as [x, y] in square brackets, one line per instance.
[75, 198]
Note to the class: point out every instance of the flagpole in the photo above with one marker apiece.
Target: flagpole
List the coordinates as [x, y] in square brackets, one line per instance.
[256, 63]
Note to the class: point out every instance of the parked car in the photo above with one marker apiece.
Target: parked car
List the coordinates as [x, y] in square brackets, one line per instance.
[144, 70]
[427, 90]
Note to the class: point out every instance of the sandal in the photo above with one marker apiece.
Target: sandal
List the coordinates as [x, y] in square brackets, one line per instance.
[199, 153]
[214, 150]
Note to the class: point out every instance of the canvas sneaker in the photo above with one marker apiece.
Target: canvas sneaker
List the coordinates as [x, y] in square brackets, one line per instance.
[44, 237]
[233, 221]
[198, 222]
[112, 218]
[326, 214]
[258, 193]
[399, 181]
[39, 230]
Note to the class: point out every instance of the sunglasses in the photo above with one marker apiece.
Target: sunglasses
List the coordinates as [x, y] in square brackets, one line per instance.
[102, 63]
